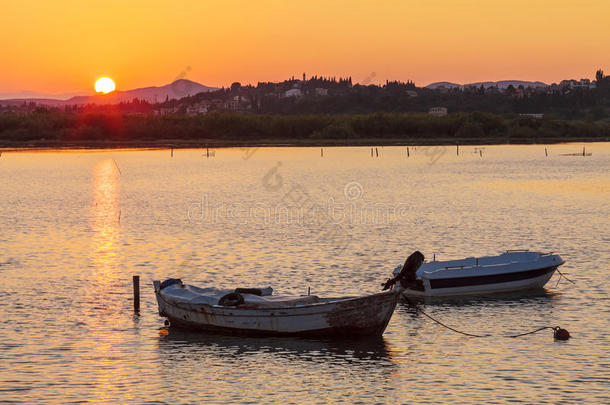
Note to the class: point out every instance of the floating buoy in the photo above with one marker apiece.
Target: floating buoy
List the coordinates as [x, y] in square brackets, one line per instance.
[560, 334]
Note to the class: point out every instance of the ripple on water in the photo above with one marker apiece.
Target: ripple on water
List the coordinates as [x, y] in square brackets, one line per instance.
[68, 333]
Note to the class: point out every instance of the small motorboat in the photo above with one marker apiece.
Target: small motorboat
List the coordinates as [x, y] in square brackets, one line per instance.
[256, 312]
[510, 271]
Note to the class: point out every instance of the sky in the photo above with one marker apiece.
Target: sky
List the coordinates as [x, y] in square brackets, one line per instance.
[63, 46]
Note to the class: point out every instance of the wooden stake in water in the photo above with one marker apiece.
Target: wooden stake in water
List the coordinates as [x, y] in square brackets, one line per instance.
[321, 152]
[371, 152]
[376, 152]
[457, 150]
[408, 152]
[545, 152]
[172, 153]
[136, 293]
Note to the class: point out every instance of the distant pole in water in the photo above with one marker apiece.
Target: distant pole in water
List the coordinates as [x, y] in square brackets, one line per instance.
[172, 153]
[545, 152]
[457, 149]
[136, 294]
[308, 291]
[408, 152]
[481, 152]
[583, 151]
[207, 152]
[376, 152]
[371, 152]
[321, 152]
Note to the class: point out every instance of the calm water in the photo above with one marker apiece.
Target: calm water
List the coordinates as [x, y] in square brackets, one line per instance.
[75, 226]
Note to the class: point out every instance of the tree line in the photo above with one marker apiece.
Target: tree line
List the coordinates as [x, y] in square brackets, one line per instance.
[60, 127]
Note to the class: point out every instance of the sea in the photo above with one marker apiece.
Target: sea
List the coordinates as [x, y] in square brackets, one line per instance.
[77, 225]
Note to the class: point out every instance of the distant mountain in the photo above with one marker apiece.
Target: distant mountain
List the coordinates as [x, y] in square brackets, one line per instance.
[502, 84]
[178, 89]
[448, 85]
[27, 94]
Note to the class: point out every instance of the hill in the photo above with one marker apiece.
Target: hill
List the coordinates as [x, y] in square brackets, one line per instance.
[502, 84]
[176, 90]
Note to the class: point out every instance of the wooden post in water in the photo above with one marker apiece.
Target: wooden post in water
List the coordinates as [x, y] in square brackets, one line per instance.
[545, 152]
[136, 294]
[376, 152]
[321, 152]
[207, 152]
[457, 149]
[408, 152]
[371, 152]
[172, 153]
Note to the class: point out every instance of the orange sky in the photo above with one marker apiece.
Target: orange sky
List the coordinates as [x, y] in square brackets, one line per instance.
[62, 46]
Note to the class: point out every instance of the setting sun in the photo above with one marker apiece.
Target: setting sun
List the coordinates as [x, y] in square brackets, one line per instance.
[104, 85]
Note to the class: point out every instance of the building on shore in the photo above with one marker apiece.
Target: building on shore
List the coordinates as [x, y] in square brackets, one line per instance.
[293, 93]
[438, 111]
[537, 115]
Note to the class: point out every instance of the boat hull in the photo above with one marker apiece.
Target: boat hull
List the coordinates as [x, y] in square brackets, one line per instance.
[368, 315]
[486, 284]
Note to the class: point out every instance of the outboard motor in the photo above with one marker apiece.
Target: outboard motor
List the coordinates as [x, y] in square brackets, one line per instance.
[407, 275]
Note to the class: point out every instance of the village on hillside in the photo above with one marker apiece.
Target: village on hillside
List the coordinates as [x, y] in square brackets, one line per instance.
[569, 99]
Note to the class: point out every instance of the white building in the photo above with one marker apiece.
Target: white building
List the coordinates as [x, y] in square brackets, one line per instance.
[293, 93]
[321, 92]
[438, 111]
[197, 109]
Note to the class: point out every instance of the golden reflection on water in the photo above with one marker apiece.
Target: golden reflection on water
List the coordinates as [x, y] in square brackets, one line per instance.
[105, 221]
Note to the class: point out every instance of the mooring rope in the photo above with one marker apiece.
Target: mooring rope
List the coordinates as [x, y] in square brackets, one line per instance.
[472, 334]
[448, 327]
[563, 275]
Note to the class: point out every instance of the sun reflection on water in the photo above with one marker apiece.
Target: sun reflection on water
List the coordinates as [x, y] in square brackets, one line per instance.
[105, 221]
[105, 279]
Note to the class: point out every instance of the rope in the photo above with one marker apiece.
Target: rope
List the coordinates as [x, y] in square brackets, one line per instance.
[472, 334]
[531, 332]
[448, 327]
[563, 275]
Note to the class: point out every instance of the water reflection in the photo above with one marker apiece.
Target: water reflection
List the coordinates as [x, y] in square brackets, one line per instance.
[104, 280]
[175, 342]
[104, 222]
[528, 297]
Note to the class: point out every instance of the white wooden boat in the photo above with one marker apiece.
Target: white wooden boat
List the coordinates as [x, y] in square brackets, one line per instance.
[196, 308]
[510, 271]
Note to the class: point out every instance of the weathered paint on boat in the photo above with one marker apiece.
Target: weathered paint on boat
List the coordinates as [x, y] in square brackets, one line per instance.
[352, 316]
